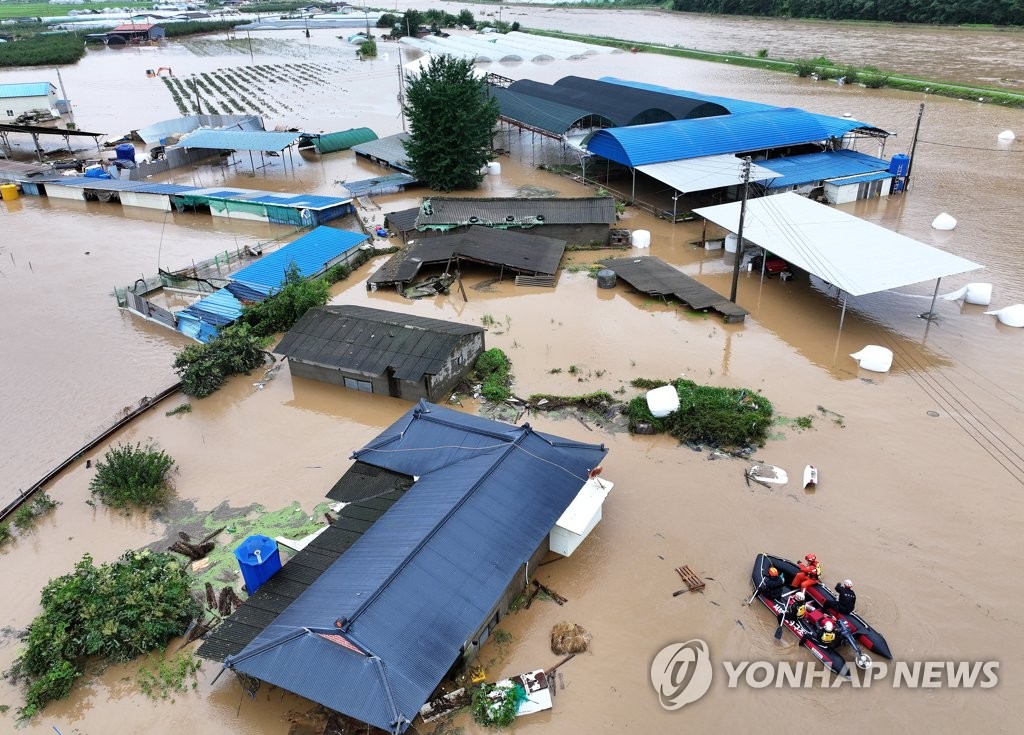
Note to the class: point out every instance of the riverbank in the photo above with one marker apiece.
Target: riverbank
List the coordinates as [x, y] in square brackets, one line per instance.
[819, 68]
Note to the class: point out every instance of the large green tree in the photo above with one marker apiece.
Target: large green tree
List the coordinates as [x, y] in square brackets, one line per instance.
[451, 119]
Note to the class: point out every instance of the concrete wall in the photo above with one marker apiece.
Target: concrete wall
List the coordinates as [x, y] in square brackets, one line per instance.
[838, 193]
[458, 363]
[54, 191]
[149, 201]
[12, 107]
[334, 376]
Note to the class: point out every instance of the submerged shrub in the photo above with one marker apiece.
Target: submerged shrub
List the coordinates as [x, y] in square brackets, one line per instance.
[493, 370]
[133, 475]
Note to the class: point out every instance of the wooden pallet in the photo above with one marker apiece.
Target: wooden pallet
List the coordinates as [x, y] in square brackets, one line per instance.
[692, 581]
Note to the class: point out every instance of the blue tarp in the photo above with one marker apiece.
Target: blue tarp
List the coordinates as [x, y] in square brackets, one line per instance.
[312, 253]
[376, 633]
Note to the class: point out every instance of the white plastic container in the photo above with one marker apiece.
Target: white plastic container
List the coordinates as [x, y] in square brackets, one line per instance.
[1006, 136]
[874, 358]
[641, 239]
[979, 294]
[1011, 316]
[662, 401]
[944, 222]
[494, 168]
[732, 242]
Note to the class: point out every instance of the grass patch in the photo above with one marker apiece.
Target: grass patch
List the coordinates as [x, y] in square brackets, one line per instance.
[133, 475]
[493, 370]
[718, 417]
[804, 422]
[180, 409]
[5, 533]
[169, 676]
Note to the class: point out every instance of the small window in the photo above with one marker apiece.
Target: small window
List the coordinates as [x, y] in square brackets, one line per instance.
[10, 113]
[362, 385]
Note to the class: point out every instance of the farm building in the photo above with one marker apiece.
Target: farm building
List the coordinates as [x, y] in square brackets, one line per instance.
[35, 100]
[578, 221]
[414, 587]
[135, 33]
[379, 351]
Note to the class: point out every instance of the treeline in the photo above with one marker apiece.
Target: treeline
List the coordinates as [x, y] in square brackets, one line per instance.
[946, 12]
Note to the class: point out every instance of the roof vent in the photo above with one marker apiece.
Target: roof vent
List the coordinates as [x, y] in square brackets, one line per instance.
[474, 219]
[510, 218]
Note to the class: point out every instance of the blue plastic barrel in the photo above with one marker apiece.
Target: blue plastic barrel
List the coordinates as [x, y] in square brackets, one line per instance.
[125, 151]
[899, 165]
[259, 559]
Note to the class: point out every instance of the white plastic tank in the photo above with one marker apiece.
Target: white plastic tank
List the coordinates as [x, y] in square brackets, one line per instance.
[1006, 136]
[662, 401]
[732, 242]
[979, 294]
[494, 168]
[874, 358]
[944, 222]
[641, 239]
[1011, 316]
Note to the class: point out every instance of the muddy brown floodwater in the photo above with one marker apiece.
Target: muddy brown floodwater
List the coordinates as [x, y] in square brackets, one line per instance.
[920, 487]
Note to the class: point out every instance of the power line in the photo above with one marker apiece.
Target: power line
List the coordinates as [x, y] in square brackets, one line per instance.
[969, 147]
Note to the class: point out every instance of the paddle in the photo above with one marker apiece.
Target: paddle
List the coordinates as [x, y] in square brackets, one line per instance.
[782, 620]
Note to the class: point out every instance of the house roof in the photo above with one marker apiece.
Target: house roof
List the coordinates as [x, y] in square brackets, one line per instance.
[740, 133]
[370, 341]
[546, 115]
[706, 172]
[376, 633]
[403, 220]
[311, 253]
[134, 27]
[30, 89]
[732, 105]
[857, 256]
[446, 212]
[388, 149]
[340, 141]
[620, 104]
[238, 140]
[814, 167]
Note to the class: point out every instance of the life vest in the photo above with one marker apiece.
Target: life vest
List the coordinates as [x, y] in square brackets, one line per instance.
[801, 611]
[828, 637]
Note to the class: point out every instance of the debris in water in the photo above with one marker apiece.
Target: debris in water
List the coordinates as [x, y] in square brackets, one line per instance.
[569, 638]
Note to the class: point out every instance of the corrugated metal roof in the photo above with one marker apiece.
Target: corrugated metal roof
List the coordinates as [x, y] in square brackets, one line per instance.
[370, 341]
[388, 184]
[545, 115]
[143, 187]
[876, 176]
[621, 105]
[180, 125]
[403, 220]
[29, 89]
[515, 211]
[730, 104]
[427, 574]
[342, 141]
[219, 308]
[238, 140]
[311, 253]
[309, 201]
[741, 133]
[814, 167]
[137, 27]
[389, 150]
[521, 251]
[702, 174]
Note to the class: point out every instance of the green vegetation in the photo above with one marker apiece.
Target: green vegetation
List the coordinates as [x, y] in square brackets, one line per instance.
[284, 308]
[43, 50]
[133, 475]
[180, 408]
[999, 12]
[169, 676]
[451, 118]
[597, 400]
[203, 368]
[27, 515]
[19, 9]
[115, 611]
[492, 369]
[720, 417]
[367, 49]
[498, 712]
[805, 422]
[5, 533]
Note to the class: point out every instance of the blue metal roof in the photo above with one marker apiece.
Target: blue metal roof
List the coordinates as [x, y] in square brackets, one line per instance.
[238, 140]
[732, 105]
[814, 167]
[30, 89]
[219, 308]
[309, 201]
[429, 572]
[248, 292]
[311, 253]
[143, 187]
[877, 176]
[708, 136]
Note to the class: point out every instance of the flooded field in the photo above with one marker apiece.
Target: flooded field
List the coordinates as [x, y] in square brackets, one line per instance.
[921, 468]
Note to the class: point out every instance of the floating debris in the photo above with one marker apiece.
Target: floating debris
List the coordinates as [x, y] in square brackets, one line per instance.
[569, 638]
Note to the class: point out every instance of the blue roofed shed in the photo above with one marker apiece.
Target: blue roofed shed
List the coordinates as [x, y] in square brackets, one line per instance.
[202, 320]
[312, 253]
[814, 168]
[376, 633]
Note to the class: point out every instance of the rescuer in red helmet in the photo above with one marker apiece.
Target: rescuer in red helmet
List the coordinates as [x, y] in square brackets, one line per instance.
[809, 574]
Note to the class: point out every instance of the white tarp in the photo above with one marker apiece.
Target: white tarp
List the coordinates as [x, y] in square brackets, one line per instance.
[706, 172]
[857, 256]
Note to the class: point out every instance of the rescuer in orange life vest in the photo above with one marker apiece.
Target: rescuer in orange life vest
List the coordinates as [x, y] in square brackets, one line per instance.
[809, 574]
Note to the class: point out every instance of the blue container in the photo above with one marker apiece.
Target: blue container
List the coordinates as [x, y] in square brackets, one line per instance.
[259, 559]
[899, 165]
[125, 151]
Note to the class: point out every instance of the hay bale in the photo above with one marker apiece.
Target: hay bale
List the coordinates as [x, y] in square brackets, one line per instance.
[569, 638]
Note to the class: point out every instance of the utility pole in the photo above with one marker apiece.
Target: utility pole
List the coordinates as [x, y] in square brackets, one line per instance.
[739, 235]
[401, 88]
[913, 148]
[252, 59]
[64, 94]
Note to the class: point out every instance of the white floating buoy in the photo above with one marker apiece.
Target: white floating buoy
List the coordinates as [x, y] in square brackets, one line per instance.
[944, 222]
[874, 358]
[846, 114]
[662, 401]
[1006, 135]
[1011, 316]
[494, 168]
[973, 293]
[641, 239]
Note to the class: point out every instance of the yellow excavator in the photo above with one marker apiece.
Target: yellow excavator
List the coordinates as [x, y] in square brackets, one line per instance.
[159, 72]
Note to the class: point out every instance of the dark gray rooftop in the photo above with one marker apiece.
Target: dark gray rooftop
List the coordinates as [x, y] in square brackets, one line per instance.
[389, 150]
[546, 115]
[369, 341]
[515, 211]
[404, 219]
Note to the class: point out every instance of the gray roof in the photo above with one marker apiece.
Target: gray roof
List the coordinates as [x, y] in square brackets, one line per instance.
[515, 211]
[389, 149]
[545, 115]
[369, 341]
[403, 220]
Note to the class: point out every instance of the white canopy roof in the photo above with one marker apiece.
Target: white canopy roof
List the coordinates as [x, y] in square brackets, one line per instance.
[706, 172]
[848, 252]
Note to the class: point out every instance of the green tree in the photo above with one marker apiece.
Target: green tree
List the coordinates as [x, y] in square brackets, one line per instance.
[451, 119]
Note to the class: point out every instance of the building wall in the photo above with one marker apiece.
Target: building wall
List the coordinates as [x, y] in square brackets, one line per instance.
[65, 192]
[458, 363]
[12, 107]
[149, 201]
[378, 383]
